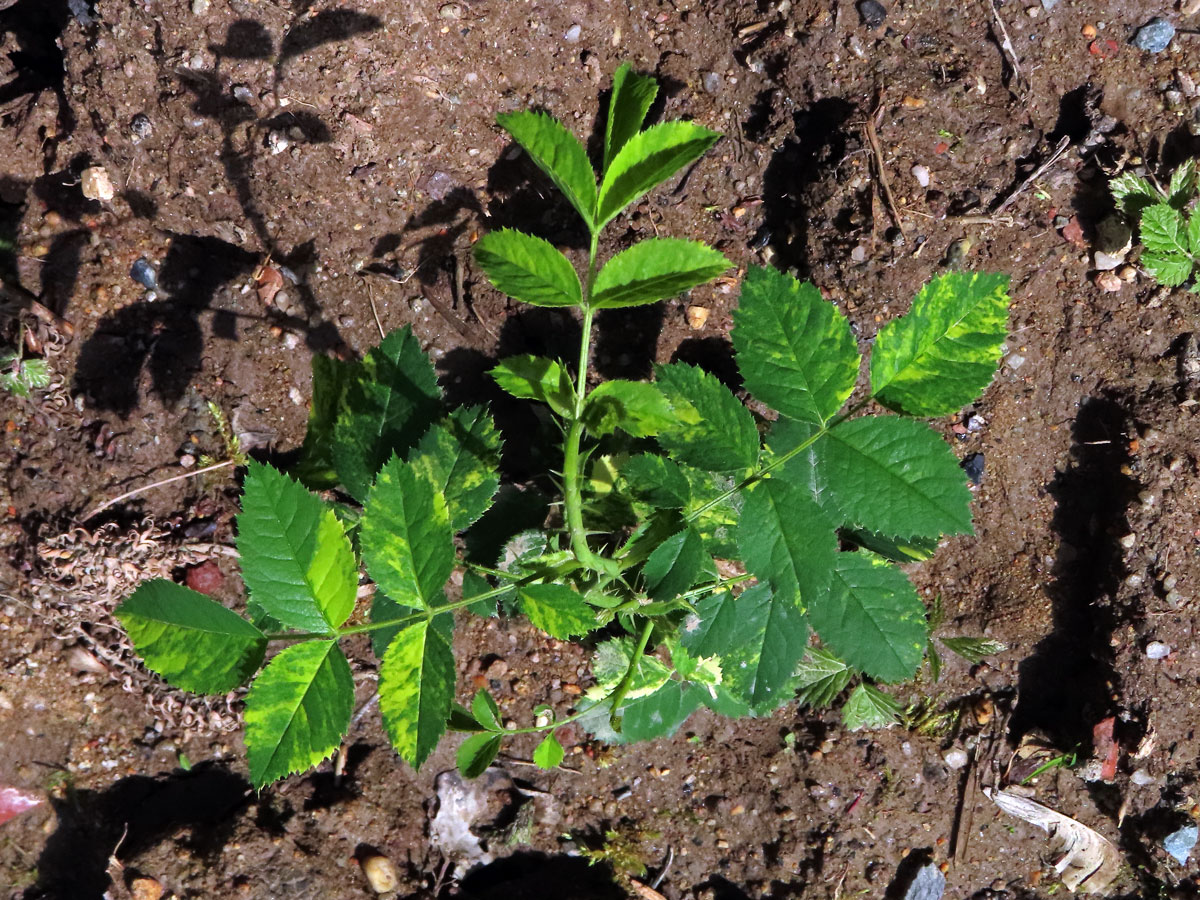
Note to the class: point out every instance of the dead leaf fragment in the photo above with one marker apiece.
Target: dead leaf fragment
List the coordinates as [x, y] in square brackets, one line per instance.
[644, 891]
[1107, 749]
[268, 283]
[696, 317]
[145, 889]
[1089, 861]
[96, 185]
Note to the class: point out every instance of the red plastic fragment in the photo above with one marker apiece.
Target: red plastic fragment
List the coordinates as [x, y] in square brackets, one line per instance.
[1106, 748]
[14, 801]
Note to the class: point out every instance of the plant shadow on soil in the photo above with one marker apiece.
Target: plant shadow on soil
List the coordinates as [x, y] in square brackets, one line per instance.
[529, 875]
[1066, 686]
[130, 817]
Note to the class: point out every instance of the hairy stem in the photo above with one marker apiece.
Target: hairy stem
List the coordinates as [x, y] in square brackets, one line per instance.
[618, 696]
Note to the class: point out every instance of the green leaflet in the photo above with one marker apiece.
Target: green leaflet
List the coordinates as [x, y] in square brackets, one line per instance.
[416, 688]
[558, 610]
[297, 710]
[820, 677]
[786, 540]
[189, 639]
[942, 354]
[330, 378]
[528, 269]
[894, 476]
[385, 609]
[675, 565]
[655, 269]
[869, 707]
[1171, 243]
[459, 458]
[973, 650]
[795, 350]
[872, 618]
[549, 753]
[476, 753]
[486, 712]
[718, 524]
[558, 153]
[537, 378]
[297, 562]
[632, 96]
[711, 429]
[716, 626]
[661, 713]
[637, 408]
[769, 638]
[649, 158]
[407, 543]
[656, 480]
[387, 408]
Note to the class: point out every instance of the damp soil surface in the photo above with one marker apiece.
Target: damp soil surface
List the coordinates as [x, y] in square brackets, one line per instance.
[353, 144]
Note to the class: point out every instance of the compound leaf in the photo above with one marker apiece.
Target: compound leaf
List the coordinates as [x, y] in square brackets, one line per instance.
[637, 408]
[558, 153]
[649, 158]
[407, 543]
[632, 96]
[940, 355]
[297, 710]
[189, 639]
[549, 753]
[416, 688]
[795, 350]
[537, 378]
[557, 610]
[786, 540]
[869, 707]
[710, 428]
[653, 270]
[872, 617]
[675, 565]
[297, 561]
[388, 406]
[656, 480]
[330, 377]
[893, 476]
[528, 269]
[476, 753]
[770, 638]
[459, 457]
[820, 677]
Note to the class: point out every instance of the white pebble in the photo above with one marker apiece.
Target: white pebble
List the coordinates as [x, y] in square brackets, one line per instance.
[1142, 778]
[96, 185]
[1015, 360]
[380, 872]
[921, 174]
[572, 35]
[1157, 650]
[956, 758]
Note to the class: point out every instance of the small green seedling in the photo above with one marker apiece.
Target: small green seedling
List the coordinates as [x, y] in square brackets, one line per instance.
[22, 376]
[809, 508]
[1168, 223]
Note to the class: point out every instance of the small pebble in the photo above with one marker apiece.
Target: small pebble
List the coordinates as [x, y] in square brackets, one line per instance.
[1128, 541]
[1142, 778]
[1088, 32]
[187, 460]
[205, 578]
[921, 174]
[929, 883]
[1157, 650]
[572, 35]
[1048, 5]
[141, 126]
[200, 7]
[956, 758]
[1180, 843]
[243, 94]
[1015, 360]
[712, 83]
[973, 466]
[145, 889]
[80, 660]
[450, 11]
[96, 185]
[380, 872]
[143, 273]
[872, 13]
[1109, 282]
[1155, 36]
[859, 254]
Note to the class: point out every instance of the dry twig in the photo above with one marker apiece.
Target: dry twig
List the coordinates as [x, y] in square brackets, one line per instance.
[148, 487]
[880, 173]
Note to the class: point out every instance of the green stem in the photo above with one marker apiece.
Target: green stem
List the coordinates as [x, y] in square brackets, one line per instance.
[618, 696]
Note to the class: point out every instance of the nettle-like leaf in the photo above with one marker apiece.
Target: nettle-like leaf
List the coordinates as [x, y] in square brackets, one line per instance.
[189, 639]
[820, 677]
[632, 97]
[558, 610]
[1182, 188]
[872, 618]
[558, 153]
[297, 710]
[385, 609]
[1170, 242]
[416, 688]
[330, 378]
[869, 707]
[973, 649]
[297, 561]
[943, 352]
[655, 269]
[675, 565]
[649, 158]
[711, 429]
[657, 481]
[476, 753]
[407, 542]
[528, 269]
[894, 476]
[459, 458]
[637, 408]
[787, 541]
[537, 378]
[388, 405]
[549, 753]
[795, 350]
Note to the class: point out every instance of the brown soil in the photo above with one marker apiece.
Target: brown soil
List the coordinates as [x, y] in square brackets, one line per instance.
[354, 144]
